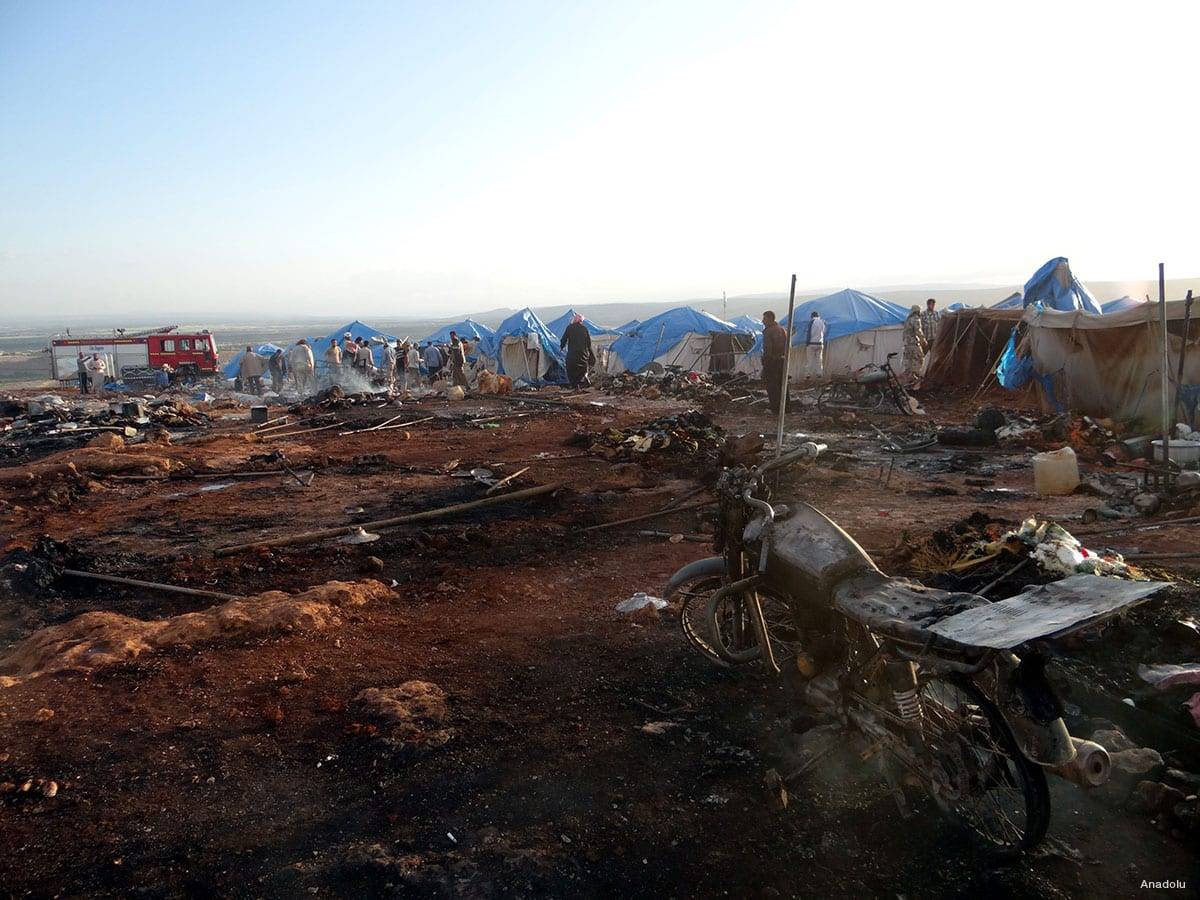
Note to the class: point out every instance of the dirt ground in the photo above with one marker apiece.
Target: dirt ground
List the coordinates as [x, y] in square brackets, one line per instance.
[250, 767]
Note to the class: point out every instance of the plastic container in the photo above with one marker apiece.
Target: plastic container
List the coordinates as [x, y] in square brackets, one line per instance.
[1183, 453]
[1055, 472]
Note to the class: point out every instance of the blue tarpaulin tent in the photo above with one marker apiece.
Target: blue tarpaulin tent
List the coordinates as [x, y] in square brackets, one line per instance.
[846, 313]
[230, 369]
[628, 328]
[525, 348]
[357, 329]
[1119, 304]
[559, 325]
[659, 338]
[478, 333]
[1012, 301]
[748, 324]
[1055, 287]
[955, 307]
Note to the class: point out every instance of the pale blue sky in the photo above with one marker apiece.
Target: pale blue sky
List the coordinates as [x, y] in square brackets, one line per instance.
[409, 158]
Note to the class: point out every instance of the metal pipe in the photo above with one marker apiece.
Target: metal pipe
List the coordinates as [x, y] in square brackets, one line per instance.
[1187, 320]
[787, 363]
[1089, 768]
[1166, 377]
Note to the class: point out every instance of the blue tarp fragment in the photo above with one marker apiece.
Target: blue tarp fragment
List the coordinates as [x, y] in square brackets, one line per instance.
[559, 325]
[1055, 287]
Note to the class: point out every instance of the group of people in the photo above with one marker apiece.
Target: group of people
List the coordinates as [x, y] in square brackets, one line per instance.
[920, 328]
[401, 364]
[93, 373]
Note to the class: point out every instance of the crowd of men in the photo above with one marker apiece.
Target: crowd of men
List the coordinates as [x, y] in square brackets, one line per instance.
[352, 362]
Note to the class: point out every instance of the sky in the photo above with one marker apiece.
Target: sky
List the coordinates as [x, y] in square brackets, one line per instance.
[400, 158]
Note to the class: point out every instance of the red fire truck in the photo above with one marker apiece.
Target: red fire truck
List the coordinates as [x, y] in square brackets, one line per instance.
[134, 357]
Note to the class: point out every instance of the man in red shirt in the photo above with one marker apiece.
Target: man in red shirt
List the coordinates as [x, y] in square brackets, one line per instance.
[774, 356]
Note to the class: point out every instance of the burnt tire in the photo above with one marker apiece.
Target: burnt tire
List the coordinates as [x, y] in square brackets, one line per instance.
[983, 732]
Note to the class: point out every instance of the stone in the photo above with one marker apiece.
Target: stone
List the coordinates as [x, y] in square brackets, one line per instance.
[106, 440]
[415, 711]
[1113, 740]
[1147, 504]
[1137, 761]
[1185, 781]
[1153, 797]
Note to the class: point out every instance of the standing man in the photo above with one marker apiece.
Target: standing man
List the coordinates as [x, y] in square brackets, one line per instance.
[458, 362]
[278, 368]
[914, 343]
[774, 357]
[577, 341]
[97, 372]
[250, 371]
[929, 321]
[302, 364]
[389, 365]
[412, 366]
[814, 348]
[433, 361]
[81, 368]
[333, 361]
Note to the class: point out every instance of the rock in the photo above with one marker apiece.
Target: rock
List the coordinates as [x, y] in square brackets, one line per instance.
[1147, 504]
[370, 564]
[1113, 740]
[416, 711]
[1137, 761]
[1187, 813]
[1153, 797]
[1185, 781]
[106, 440]
[50, 789]
[43, 715]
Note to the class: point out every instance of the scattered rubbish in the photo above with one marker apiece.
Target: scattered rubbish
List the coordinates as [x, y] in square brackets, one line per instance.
[639, 601]
[1165, 675]
[1056, 550]
[220, 486]
[691, 433]
[358, 536]
[659, 727]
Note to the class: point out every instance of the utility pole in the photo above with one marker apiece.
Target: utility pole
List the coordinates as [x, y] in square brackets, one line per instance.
[724, 307]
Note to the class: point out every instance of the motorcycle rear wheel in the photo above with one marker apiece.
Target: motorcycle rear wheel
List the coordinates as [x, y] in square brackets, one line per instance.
[983, 779]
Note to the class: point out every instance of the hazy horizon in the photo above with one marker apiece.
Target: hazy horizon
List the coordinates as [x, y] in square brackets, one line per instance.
[402, 159]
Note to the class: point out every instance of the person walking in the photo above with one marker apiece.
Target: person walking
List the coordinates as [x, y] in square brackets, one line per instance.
[914, 343]
[81, 369]
[302, 364]
[774, 358]
[814, 348]
[577, 341]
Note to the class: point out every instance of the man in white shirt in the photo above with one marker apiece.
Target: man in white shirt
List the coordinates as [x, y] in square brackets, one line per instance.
[302, 364]
[814, 347]
[97, 369]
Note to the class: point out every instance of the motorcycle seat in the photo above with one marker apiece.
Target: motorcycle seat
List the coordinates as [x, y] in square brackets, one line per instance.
[898, 607]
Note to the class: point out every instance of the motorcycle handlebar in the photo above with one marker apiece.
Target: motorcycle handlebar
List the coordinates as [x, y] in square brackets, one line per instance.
[807, 450]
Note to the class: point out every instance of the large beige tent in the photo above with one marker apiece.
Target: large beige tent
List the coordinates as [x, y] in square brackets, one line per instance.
[1110, 365]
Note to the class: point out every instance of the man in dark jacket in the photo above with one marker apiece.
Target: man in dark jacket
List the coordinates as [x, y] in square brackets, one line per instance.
[577, 341]
[774, 356]
[277, 366]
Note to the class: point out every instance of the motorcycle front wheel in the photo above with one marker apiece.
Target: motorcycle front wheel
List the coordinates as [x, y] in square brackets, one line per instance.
[979, 774]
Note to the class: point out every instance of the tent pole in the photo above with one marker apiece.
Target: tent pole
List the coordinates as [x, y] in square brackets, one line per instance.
[1166, 377]
[661, 327]
[787, 364]
[1187, 321]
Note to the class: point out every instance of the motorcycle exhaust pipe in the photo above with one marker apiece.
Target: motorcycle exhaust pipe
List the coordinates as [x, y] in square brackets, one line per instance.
[1090, 768]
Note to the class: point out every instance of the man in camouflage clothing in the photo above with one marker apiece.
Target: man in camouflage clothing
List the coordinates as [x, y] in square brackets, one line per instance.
[929, 321]
[914, 343]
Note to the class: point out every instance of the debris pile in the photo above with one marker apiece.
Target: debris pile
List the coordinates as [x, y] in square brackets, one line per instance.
[42, 425]
[695, 386]
[690, 433]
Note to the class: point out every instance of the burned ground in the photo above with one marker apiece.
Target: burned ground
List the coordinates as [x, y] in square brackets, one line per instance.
[585, 753]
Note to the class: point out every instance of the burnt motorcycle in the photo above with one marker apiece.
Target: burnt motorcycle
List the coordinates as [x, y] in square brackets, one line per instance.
[948, 689]
[867, 391]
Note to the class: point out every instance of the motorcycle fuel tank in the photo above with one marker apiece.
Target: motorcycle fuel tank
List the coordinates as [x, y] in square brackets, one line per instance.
[810, 554]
